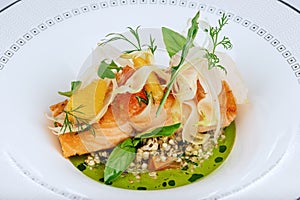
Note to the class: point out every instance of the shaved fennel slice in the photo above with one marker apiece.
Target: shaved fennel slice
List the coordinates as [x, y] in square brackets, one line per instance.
[147, 119]
[137, 81]
[89, 69]
[208, 116]
[211, 86]
[208, 42]
[185, 86]
[211, 83]
[196, 60]
[233, 78]
[191, 119]
[203, 36]
[59, 119]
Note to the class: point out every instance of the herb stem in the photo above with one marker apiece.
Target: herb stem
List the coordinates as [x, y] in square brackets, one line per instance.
[167, 92]
[192, 32]
[136, 43]
[79, 122]
[212, 58]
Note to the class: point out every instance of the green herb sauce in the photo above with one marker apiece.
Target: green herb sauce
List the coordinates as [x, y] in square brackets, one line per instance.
[168, 178]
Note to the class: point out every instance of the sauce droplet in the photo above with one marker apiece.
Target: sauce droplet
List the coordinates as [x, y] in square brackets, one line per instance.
[81, 167]
[195, 177]
[171, 183]
[101, 180]
[141, 188]
[218, 159]
[222, 148]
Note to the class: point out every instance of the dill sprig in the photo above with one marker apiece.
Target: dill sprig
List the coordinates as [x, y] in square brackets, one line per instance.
[213, 60]
[81, 123]
[152, 47]
[137, 46]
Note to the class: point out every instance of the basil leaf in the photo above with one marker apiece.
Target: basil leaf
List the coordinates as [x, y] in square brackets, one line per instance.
[174, 41]
[128, 143]
[105, 70]
[75, 85]
[123, 154]
[160, 131]
[136, 142]
[119, 160]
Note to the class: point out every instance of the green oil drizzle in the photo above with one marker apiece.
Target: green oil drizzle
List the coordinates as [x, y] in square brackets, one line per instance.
[167, 178]
[218, 159]
[81, 167]
[171, 183]
[222, 148]
[195, 177]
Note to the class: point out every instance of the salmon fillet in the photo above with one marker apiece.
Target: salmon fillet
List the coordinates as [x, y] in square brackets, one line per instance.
[228, 108]
[58, 108]
[114, 127]
[107, 134]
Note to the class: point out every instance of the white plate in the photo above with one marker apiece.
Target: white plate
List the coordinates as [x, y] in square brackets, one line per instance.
[50, 52]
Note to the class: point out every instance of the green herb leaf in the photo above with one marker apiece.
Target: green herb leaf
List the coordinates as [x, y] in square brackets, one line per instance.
[136, 142]
[136, 44]
[141, 99]
[105, 70]
[192, 32]
[122, 155]
[144, 100]
[174, 41]
[75, 85]
[160, 131]
[213, 60]
[152, 47]
[119, 160]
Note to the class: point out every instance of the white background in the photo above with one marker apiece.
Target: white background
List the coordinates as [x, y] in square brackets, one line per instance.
[4, 3]
[278, 184]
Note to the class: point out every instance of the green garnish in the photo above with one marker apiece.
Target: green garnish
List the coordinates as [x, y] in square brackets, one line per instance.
[105, 70]
[123, 154]
[82, 124]
[136, 46]
[144, 100]
[141, 99]
[75, 85]
[174, 41]
[152, 47]
[192, 32]
[213, 60]
[119, 160]
[55, 124]
[163, 131]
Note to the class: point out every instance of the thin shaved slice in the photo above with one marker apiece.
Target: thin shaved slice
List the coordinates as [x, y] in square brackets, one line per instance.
[228, 109]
